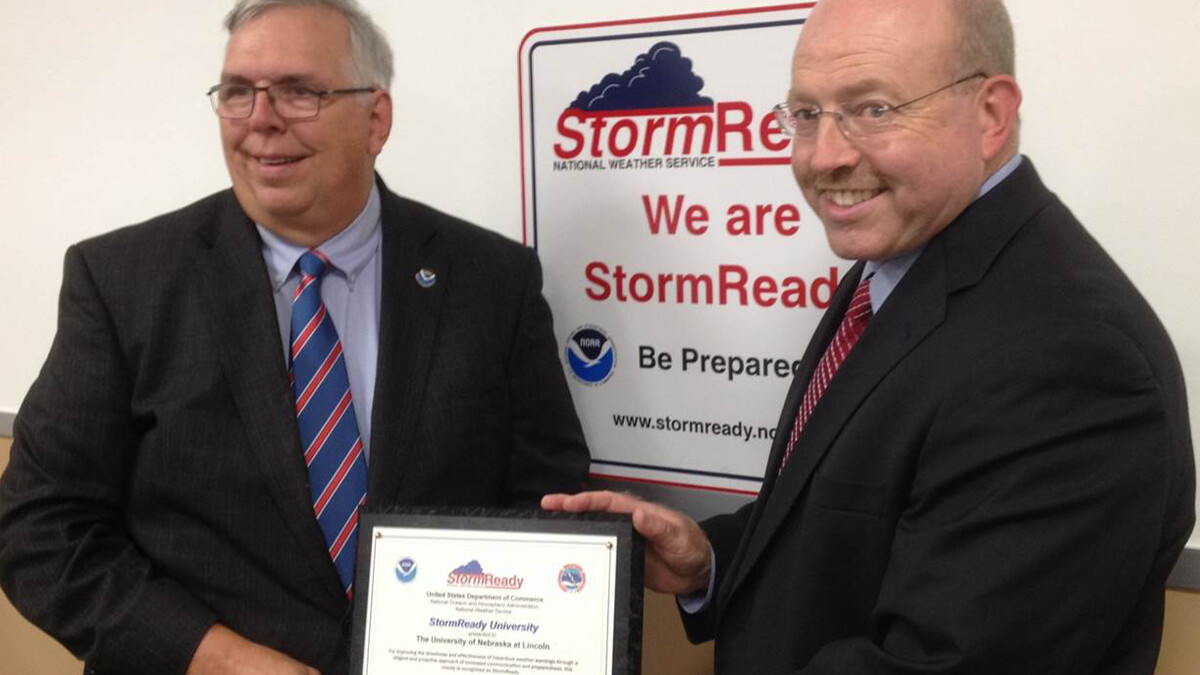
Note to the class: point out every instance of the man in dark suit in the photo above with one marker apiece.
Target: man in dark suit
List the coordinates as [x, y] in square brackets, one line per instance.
[984, 465]
[156, 516]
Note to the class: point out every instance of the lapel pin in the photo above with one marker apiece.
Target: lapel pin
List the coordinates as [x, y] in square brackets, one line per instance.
[426, 278]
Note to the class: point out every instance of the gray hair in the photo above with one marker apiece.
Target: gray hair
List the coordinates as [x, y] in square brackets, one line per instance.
[985, 38]
[371, 55]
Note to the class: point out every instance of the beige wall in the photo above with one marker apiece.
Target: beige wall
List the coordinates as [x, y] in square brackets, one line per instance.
[28, 651]
[1181, 650]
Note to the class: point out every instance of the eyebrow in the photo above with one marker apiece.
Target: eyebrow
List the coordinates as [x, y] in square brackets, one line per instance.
[230, 78]
[848, 93]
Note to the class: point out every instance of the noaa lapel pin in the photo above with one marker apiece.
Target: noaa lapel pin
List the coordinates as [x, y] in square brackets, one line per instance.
[426, 277]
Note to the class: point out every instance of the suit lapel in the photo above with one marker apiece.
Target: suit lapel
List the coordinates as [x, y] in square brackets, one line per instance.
[914, 309]
[234, 286]
[408, 323]
[822, 336]
[808, 363]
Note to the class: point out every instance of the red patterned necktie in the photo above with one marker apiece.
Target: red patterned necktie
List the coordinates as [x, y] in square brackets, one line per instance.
[854, 322]
[333, 449]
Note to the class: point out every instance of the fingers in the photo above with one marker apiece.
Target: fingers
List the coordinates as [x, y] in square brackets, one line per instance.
[665, 528]
[677, 552]
[673, 535]
[553, 502]
[224, 652]
[653, 521]
[611, 502]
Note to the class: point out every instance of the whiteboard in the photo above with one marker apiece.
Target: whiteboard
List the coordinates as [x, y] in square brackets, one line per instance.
[104, 123]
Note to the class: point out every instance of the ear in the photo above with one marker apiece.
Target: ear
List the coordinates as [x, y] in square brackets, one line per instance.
[381, 121]
[999, 101]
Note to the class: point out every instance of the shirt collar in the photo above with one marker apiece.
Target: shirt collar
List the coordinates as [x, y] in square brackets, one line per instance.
[886, 275]
[889, 272]
[349, 250]
[1001, 173]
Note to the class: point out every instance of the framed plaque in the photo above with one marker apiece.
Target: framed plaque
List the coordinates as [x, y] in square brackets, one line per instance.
[497, 591]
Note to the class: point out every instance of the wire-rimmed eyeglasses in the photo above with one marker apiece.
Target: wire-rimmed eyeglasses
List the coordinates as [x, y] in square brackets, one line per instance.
[291, 101]
[855, 121]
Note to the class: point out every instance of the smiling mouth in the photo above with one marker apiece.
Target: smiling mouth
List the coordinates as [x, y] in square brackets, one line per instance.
[277, 161]
[846, 198]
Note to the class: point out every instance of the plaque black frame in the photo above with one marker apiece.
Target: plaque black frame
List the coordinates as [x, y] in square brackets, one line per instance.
[629, 590]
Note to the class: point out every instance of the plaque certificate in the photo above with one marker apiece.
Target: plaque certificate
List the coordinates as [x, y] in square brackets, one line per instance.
[504, 592]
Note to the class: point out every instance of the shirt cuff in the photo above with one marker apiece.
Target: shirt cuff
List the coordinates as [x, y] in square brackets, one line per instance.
[698, 601]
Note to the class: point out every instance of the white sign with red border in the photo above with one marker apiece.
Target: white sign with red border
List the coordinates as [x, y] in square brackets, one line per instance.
[685, 271]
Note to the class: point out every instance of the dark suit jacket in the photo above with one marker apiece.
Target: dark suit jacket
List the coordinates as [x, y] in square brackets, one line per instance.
[156, 482]
[998, 480]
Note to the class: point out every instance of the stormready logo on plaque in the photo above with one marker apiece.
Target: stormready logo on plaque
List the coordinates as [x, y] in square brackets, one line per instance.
[473, 575]
[658, 193]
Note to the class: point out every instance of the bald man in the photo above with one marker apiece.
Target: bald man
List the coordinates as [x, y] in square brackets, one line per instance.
[984, 464]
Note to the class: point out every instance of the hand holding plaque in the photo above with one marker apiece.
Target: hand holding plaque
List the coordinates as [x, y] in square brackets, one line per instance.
[678, 559]
[520, 593]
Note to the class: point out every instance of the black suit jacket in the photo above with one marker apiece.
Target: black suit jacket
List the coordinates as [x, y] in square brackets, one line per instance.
[157, 483]
[998, 480]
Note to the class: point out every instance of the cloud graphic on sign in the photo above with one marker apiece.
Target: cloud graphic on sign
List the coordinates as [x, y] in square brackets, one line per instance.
[659, 78]
[472, 567]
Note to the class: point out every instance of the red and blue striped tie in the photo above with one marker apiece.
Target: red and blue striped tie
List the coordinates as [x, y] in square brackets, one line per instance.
[333, 449]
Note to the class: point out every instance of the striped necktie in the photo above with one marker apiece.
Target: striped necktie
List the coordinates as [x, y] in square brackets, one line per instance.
[854, 322]
[333, 449]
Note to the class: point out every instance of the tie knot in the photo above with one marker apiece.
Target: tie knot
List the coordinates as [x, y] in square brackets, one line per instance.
[313, 264]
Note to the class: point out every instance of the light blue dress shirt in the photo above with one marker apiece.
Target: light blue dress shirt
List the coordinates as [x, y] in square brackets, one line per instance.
[350, 290]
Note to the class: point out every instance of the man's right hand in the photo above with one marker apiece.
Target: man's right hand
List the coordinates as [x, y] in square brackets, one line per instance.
[224, 652]
[677, 551]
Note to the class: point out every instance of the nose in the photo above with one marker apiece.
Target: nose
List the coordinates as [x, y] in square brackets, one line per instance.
[831, 149]
[263, 116]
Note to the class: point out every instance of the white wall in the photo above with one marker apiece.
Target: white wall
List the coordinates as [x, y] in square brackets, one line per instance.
[103, 122]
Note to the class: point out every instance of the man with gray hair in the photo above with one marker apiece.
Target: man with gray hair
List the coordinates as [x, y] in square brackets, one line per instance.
[232, 382]
[984, 464]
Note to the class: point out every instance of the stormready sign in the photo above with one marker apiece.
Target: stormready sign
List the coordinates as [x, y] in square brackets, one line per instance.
[685, 271]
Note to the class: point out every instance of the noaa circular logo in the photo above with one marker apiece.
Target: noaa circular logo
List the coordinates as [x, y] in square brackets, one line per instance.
[571, 578]
[406, 570]
[591, 355]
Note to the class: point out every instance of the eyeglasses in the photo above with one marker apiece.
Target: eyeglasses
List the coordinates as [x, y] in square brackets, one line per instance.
[291, 101]
[858, 121]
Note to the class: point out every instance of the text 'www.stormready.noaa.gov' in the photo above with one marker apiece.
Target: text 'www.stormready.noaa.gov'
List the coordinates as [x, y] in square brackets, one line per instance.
[746, 432]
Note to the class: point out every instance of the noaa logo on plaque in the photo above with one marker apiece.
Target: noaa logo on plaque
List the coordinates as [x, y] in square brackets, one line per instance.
[406, 570]
[591, 355]
[571, 578]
